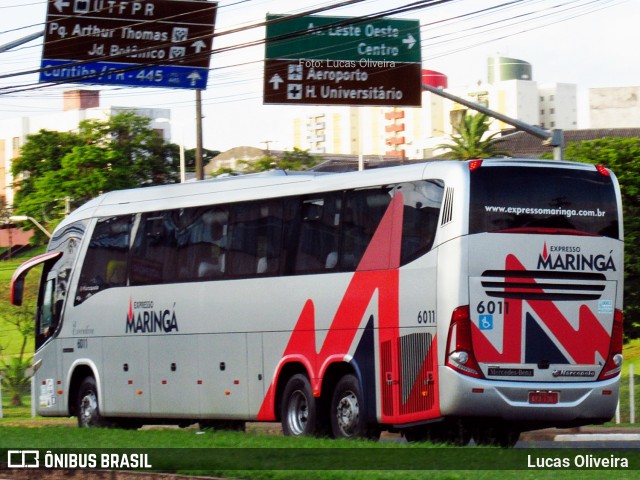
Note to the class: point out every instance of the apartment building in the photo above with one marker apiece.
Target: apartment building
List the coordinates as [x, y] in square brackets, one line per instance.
[416, 132]
[78, 105]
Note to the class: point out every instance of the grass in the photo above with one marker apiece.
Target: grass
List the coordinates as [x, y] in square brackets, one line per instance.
[632, 356]
[244, 455]
[631, 353]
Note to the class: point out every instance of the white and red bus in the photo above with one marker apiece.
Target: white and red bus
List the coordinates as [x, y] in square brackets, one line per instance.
[446, 300]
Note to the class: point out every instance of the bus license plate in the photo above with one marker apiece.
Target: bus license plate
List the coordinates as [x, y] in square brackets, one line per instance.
[546, 398]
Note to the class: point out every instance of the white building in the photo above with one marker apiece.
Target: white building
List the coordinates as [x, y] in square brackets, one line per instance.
[549, 106]
[416, 132]
[617, 107]
[79, 105]
[558, 106]
[406, 132]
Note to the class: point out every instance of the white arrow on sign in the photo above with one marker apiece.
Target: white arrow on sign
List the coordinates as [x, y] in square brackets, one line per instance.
[60, 4]
[194, 77]
[199, 45]
[276, 80]
[410, 41]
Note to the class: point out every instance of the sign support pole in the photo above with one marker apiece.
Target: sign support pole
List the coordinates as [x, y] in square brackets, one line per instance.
[554, 138]
[360, 154]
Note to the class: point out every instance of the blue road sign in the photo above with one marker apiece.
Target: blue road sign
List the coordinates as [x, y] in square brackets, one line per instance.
[112, 73]
[155, 43]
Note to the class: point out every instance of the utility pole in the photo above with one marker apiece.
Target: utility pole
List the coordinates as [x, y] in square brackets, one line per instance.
[267, 144]
[199, 142]
[554, 138]
[199, 165]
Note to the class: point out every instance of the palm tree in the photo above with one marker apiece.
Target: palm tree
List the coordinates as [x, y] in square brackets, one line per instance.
[470, 141]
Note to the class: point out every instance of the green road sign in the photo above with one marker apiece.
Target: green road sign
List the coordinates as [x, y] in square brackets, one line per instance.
[343, 38]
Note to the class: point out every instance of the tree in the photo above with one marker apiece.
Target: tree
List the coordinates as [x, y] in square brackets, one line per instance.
[622, 156]
[42, 153]
[13, 368]
[291, 160]
[190, 157]
[57, 170]
[470, 139]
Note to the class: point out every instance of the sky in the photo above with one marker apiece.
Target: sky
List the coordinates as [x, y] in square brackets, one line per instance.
[590, 43]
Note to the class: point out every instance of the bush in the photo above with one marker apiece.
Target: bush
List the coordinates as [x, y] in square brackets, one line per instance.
[15, 381]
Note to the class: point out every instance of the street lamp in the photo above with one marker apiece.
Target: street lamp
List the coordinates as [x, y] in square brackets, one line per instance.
[24, 218]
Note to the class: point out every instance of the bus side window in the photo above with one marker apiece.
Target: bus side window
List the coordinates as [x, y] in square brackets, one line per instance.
[319, 234]
[47, 322]
[202, 243]
[422, 202]
[255, 243]
[362, 214]
[154, 253]
[105, 264]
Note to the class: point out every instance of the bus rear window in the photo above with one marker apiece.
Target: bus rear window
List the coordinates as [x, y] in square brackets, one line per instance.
[551, 200]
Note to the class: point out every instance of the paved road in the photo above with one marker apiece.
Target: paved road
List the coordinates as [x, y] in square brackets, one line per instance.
[584, 437]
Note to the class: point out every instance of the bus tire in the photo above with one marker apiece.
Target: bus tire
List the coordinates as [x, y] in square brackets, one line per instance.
[499, 436]
[450, 432]
[299, 410]
[225, 425]
[87, 407]
[126, 423]
[347, 411]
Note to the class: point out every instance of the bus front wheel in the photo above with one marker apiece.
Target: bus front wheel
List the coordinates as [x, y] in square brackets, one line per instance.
[87, 407]
[298, 411]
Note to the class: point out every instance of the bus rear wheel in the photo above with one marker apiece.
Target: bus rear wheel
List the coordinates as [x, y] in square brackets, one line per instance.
[347, 411]
[298, 410]
[87, 407]
[452, 433]
[496, 436]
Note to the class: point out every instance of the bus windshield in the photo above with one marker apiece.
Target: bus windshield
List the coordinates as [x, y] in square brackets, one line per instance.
[546, 200]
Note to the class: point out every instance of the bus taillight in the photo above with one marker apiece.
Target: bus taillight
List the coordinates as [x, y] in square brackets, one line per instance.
[474, 165]
[603, 170]
[614, 359]
[460, 355]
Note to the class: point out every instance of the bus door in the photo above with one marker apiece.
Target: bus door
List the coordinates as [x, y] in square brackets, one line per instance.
[45, 365]
[58, 264]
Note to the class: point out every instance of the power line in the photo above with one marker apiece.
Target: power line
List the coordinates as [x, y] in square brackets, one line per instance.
[203, 37]
[443, 44]
[405, 8]
[556, 17]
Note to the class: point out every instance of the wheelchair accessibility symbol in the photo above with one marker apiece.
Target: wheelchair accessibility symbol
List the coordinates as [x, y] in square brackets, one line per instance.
[486, 322]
